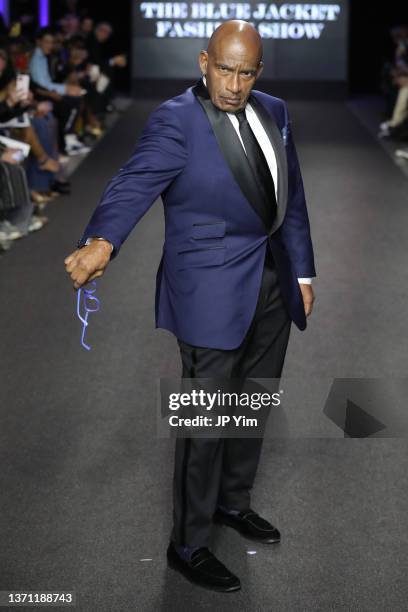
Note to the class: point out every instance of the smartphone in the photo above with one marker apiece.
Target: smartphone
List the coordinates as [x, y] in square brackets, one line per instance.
[23, 83]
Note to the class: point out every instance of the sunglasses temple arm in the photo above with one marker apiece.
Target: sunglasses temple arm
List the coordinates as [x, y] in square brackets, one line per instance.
[86, 346]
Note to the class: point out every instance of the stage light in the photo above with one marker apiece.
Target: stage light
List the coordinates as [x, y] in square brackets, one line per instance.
[43, 12]
[5, 11]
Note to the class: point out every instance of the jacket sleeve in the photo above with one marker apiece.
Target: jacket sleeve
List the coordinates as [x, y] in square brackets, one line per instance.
[295, 229]
[159, 156]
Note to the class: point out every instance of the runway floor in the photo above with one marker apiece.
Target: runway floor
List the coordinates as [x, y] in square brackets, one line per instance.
[86, 482]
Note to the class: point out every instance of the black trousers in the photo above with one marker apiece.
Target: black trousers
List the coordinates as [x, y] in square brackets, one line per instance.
[221, 471]
[65, 111]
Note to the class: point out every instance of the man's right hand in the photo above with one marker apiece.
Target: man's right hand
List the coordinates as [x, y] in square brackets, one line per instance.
[119, 60]
[14, 96]
[54, 95]
[89, 262]
[43, 108]
[73, 90]
[8, 155]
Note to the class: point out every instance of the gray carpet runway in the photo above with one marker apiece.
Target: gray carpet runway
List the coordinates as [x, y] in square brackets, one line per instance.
[86, 482]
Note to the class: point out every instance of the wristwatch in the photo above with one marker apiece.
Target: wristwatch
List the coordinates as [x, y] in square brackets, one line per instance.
[91, 238]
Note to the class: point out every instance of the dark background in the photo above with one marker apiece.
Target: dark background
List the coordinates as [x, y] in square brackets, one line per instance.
[369, 43]
[286, 60]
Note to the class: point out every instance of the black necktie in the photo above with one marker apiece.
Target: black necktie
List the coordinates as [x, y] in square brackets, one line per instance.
[259, 166]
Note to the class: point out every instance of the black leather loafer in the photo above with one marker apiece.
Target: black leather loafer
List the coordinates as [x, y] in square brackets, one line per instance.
[204, 569]
[250, 525]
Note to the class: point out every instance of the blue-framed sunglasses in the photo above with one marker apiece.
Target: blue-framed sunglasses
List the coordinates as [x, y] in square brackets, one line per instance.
[90, 304]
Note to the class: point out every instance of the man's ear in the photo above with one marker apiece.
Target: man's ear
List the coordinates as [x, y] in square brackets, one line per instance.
[203, 61]
[260, 68]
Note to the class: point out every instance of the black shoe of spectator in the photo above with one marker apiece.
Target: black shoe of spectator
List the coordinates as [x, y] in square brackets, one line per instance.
[399, 132]
[61, 186]
[89, 139]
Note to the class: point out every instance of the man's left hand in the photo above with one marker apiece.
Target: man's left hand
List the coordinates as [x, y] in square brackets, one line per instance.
[119, 60]
[308, 297]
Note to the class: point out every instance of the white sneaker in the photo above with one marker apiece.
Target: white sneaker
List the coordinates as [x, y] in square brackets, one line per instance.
[384, 126]
[72, 139]
[402, 153]
[10, 230]
[36, 223]
[5, 242]
[73, 146]
[77, 150]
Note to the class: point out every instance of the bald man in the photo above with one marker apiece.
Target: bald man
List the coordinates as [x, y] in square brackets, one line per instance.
[235, 271]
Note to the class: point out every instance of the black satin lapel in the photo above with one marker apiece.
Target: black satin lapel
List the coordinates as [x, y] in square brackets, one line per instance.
[276, 140]
[232, 150]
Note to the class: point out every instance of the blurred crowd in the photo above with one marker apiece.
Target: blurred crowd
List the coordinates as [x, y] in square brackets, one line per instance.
[395, 89]
[56, 89]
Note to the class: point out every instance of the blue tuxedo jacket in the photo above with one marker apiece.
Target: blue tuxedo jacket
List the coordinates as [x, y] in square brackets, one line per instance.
[210, 272]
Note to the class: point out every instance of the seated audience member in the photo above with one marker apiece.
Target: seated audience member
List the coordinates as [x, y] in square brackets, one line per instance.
[398, 79]
[86, 28]
[19, 50]
[24, 217]
[79, 71]
[59, 55]
[8, 232]
[42, 165]
[99, 49]
[66, 98]
[69, 25]
[14, 103]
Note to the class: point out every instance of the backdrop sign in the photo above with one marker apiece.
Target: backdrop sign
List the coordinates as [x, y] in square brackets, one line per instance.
[301, 41]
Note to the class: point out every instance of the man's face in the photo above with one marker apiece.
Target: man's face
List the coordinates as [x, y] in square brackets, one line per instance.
[231, 70]
[73, 24]
[46, 44]
[87, 25]
[77, 55]
[58, 41]
[102, 33]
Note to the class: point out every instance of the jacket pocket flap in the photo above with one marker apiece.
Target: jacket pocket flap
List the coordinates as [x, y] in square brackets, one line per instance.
[213, 256]
[209, 230]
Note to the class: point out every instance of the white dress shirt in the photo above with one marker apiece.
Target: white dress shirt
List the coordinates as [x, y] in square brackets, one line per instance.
[266, 146]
